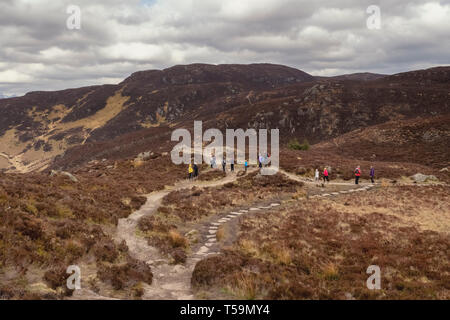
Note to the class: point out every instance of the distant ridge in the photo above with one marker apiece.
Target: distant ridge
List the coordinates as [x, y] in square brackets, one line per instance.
[360, 76]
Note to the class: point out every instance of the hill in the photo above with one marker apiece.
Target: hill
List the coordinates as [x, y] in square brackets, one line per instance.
[43, 126]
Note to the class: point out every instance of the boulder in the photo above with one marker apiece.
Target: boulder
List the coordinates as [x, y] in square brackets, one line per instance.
[192, 236]
[300, 170]
[144, 156]
[419, 177]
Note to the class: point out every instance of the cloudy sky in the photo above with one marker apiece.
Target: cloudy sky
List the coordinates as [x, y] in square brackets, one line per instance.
[39, 52]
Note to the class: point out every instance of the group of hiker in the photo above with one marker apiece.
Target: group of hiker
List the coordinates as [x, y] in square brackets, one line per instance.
[357, 173]
[193, 169]
[264, 160]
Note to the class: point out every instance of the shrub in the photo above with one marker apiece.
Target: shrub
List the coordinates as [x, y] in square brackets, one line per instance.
[179, 256]
[177, 240]
[56, 277]
[305, 145]
[106, 251]
[295, 145]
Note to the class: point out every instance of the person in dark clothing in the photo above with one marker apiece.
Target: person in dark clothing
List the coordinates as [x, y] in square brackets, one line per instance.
[232, 165]
[195, 171]
[372, 174]
[224, 164]
[357, 174]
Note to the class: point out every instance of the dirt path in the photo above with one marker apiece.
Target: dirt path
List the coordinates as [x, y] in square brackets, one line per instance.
[173, 282]
[169, 281]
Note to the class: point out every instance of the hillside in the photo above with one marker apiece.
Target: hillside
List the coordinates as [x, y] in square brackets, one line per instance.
[93, 122]
[37, 127]
[417, 140]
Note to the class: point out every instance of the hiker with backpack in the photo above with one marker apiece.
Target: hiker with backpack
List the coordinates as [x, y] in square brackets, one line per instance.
[190, 171]
[372, 174]
[357, 174]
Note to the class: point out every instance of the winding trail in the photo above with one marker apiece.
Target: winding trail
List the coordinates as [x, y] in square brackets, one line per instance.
[173, 282]
[170, 282]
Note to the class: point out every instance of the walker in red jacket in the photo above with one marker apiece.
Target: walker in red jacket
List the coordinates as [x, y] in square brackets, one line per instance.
[357, 174]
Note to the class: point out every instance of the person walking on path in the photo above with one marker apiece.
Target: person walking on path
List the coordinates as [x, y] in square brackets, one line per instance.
[260, 161]
[357, 174]
[195, 171]
[224, 164]
[325, 175]
[213, 162]
[245, 166]
[190, 171]
[316, 176]
[232, 165]
[372, 174]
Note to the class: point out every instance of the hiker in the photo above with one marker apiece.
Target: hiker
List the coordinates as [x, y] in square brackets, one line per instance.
[190, 170]
[357, 174]
[245, 166]
[213, 162]
[232, 165]
[260, 160]
[316, 176]
[372, 174]
[195, 171]
[325, 175]
[224, 163]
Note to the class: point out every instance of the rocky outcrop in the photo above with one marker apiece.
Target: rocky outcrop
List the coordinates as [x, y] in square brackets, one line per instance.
[419, 177]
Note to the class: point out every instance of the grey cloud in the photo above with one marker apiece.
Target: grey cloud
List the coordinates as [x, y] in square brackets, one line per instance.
[37, 51]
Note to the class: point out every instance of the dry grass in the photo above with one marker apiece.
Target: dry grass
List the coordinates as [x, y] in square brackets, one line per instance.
[48, 223]
[244, 287]
[220, 235]
[177, 240]
[330, 271]
[322, 249]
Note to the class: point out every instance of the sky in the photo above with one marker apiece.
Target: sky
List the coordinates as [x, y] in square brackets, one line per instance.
[38, 51]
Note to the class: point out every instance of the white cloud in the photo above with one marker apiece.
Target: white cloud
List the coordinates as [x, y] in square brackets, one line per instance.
[12, 76]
